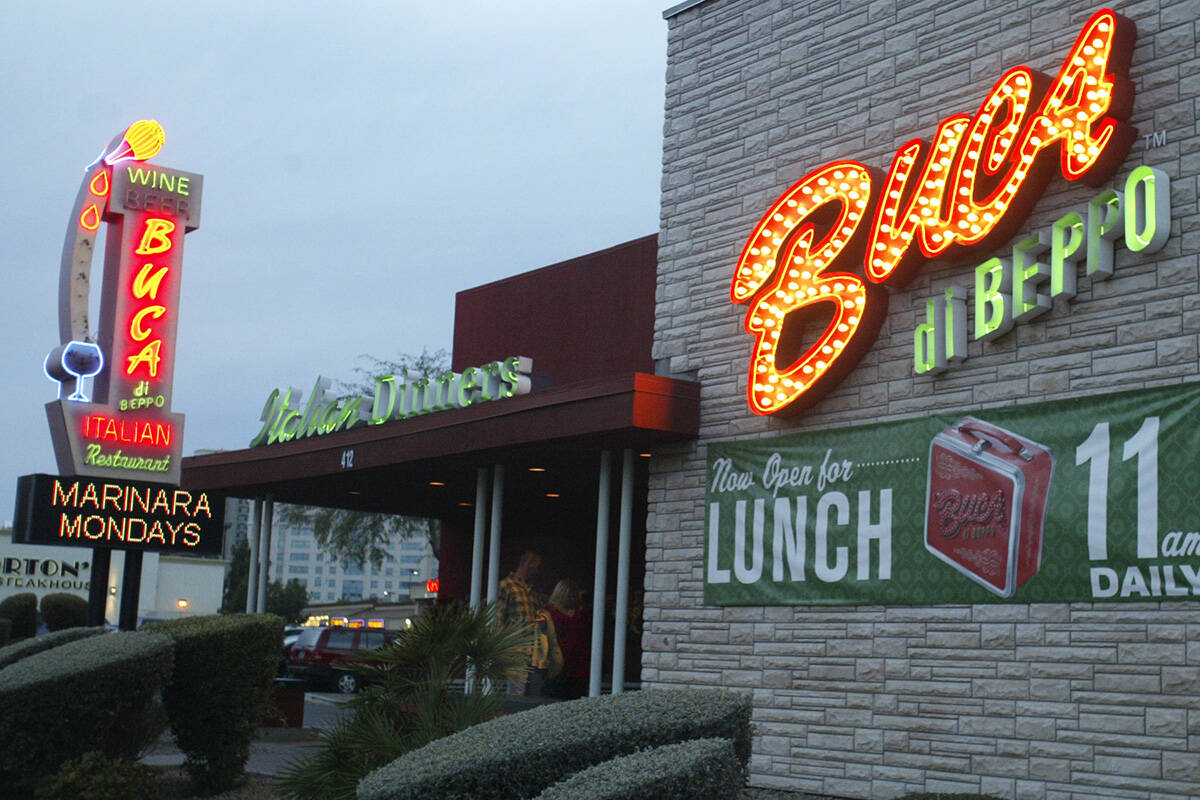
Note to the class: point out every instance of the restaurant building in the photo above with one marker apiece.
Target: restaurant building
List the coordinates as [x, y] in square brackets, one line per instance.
[892, 425]
[938, 519]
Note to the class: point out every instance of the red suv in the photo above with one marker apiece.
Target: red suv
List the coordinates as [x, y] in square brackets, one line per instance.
[314, 654]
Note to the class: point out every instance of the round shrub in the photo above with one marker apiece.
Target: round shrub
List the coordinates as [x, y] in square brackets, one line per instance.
[97, 693]
[62, 610]
[22, 610]
[27, 647]
[520, 755]
[5, 630]
[702, 769]
[224, 671]
[97, 777]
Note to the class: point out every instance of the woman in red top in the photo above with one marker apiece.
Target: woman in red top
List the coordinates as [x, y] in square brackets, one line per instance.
[572, 624]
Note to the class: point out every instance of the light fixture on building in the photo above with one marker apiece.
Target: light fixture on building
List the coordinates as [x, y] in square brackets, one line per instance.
[437, 483]
[537, 469]
[182, 604]
[553, 494]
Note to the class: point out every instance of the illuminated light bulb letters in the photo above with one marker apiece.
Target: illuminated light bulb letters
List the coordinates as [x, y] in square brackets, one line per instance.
[972, 187]
[785, 268]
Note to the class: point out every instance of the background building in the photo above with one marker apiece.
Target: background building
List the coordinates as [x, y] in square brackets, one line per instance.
[171, 585]
[294, 555]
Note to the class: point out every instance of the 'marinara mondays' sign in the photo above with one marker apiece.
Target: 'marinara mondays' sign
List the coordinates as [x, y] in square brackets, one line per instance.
[1088, 499]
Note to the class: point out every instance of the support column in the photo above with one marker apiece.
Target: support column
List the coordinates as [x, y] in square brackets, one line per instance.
[252, 540]
[600, 583]
[622, 611]
[264, 554]
[131, 589]
[481, 487]
[493, 588]
[98, 588]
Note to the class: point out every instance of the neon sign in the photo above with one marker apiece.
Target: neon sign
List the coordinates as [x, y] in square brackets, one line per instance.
[396, 397]
[971, 188]
[122, 425]
[94, 512]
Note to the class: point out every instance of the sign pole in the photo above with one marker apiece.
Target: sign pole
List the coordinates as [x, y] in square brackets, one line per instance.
[98, 588]
[131, 589]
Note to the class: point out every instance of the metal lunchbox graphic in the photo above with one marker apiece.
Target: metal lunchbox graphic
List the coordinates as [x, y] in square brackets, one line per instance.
[985, 510]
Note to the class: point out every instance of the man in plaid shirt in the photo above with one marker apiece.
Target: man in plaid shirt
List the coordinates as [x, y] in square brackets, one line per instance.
[518, 603]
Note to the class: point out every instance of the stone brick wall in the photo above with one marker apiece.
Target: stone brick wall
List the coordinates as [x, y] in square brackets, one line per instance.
[1041, 701]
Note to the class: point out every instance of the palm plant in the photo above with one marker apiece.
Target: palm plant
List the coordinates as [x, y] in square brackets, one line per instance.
[417, 691]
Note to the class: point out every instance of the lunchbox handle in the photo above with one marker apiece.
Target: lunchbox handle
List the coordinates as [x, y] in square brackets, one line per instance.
[982, 443]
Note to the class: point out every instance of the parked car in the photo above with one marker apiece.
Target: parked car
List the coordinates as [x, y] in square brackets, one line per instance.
[317, 650]
[290, 634]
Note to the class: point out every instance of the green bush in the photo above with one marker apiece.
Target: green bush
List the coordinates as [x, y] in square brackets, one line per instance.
[702, 769]
[5, 630]
[98, 693]
[409, 701]
[224, 671]
[22, 610]
[62, 610]
[97, 777]
[520, 755]
[27, 647]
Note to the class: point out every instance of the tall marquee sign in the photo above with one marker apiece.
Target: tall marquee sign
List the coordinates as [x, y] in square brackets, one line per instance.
[124, 427]
[117, 442]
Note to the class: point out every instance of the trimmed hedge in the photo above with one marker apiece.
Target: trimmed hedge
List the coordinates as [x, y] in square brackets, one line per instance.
[97, 777]
[520, 755]
[27, 647]
[97, 693]
[5, 630]
[61, 610]
[22, 610]
[224, 671]
[702, 769]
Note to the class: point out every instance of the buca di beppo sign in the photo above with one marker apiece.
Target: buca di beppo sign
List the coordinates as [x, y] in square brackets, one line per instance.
[123, 426]
[116, 440]
[968, 190]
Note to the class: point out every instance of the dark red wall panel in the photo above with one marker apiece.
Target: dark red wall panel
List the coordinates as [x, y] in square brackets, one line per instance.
[589, 317]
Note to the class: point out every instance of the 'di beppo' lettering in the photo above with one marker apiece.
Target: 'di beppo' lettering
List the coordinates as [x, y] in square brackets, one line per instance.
[971, 187]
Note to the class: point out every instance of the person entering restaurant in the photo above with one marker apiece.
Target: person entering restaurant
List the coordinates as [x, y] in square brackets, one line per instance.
[517, 602]
[572, 625]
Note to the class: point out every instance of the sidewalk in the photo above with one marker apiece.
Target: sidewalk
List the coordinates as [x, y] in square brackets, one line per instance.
[272, 750]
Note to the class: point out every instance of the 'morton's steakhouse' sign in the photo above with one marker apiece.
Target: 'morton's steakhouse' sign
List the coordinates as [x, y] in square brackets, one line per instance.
[968, 190]
[1081, 500]
[89, 512]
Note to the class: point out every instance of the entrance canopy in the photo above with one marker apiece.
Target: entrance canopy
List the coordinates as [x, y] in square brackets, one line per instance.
[426, 466]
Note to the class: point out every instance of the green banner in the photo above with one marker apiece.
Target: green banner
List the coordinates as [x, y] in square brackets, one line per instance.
[1088, 499]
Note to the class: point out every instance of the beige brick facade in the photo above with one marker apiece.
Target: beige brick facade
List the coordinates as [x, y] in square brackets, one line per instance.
[1037, 701]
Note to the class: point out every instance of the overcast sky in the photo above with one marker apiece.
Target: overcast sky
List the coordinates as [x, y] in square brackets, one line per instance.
[362, 162]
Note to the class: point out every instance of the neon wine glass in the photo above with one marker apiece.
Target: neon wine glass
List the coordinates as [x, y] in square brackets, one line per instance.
[80, 360]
